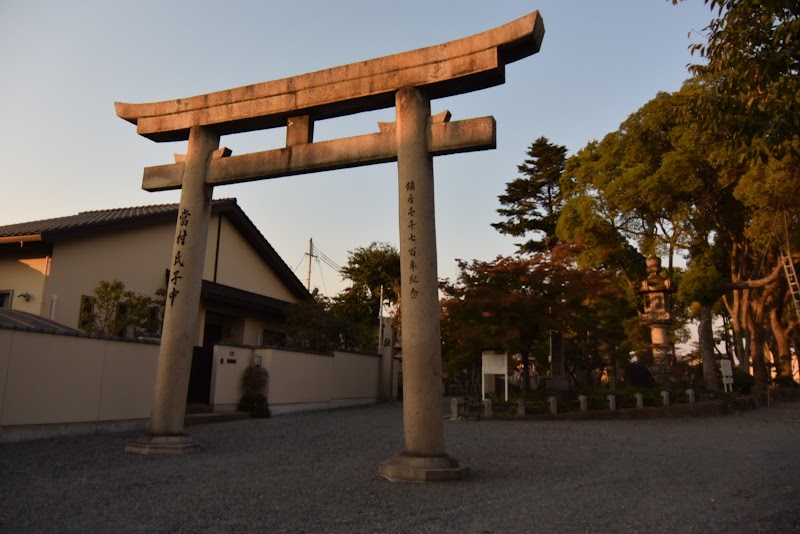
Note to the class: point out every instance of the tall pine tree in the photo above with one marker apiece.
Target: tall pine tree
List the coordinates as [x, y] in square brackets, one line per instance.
[532, 202]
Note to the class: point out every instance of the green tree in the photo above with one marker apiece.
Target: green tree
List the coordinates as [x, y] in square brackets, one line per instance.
[372, 268]
[513, 303]
[311, 325]
[532, 203]
[590, 316]
[752, 67]
[116, 311]
[652, 183]
[349, 320]
[753, 53]
[671, 182]
[499, 304]
[356, 313]
[374, 272]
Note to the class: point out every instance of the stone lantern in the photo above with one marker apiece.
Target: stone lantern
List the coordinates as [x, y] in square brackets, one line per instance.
[657, 290]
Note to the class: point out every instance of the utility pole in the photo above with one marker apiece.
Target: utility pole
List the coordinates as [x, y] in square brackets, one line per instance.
[380, 322]
[310, 255]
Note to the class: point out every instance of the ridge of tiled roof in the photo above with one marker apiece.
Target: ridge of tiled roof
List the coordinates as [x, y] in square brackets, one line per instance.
[95, 218]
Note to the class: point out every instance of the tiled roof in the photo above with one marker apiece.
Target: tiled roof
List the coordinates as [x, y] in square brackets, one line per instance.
[28, 321]
[87, 220]
[93, 222]
[213, 292]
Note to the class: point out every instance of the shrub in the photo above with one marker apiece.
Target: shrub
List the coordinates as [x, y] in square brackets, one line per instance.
[742, 381]
[254, 382]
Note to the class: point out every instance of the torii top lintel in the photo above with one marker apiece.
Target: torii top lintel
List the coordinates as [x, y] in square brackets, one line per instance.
[460, 66]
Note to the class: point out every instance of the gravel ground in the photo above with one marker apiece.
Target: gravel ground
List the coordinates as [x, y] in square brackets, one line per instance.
[317, 472]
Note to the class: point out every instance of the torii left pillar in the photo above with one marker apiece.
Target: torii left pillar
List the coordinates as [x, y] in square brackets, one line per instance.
[179, 333]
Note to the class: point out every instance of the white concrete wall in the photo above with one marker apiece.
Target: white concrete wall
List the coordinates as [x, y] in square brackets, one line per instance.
[298, 381]
[48, 380]
[355, 376]
[226, 376]
[54, 384]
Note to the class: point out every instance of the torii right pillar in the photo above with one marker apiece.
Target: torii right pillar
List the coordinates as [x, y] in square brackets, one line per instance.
[423, 457]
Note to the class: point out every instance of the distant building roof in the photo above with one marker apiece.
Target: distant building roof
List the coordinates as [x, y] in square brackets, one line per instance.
[88, 223]
[94, 220]
[28, 321]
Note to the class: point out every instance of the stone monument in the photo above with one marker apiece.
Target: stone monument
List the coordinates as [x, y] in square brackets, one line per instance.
[558, 374]
[656, 290]
[408, 81]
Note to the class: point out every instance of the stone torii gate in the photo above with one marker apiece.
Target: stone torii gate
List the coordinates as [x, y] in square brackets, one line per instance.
[408, 81]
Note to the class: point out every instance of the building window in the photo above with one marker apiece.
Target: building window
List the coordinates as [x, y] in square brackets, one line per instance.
[5, 299]
[86, 318]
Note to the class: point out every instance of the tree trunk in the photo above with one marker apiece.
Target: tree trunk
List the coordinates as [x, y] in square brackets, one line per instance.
[746, 333]
[726, 331]
[784, 356]
[705, 334]
[794, 335]
[526, 375]
[735, 312]
[757, 345]
[760, 373]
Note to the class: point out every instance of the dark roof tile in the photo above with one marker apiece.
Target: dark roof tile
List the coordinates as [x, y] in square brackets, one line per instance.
[120, 218]
[88, 219]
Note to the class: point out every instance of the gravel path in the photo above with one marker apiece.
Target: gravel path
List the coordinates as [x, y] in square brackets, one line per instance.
[318, 473]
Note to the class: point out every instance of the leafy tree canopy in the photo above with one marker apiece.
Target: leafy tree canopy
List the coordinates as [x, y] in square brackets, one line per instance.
[512, 303]
[116, 311]
[370, 268]
[349, 320]
[753, 54]
[531, 203]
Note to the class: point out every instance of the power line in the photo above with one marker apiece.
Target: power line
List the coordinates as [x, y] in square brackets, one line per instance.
[314, 253]
[321, 277]
[299, 263]
[329, 262]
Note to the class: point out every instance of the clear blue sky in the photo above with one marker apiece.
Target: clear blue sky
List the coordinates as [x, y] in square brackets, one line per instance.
[63, 64]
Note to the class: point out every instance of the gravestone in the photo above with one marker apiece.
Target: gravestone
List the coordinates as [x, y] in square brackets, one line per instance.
[558, 375]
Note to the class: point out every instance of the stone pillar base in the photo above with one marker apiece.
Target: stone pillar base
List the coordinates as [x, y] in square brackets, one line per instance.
[153, 444]
[404, 468]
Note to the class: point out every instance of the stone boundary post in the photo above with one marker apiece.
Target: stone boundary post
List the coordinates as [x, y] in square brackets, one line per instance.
[487, 409]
